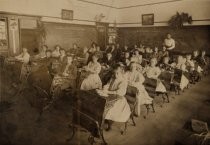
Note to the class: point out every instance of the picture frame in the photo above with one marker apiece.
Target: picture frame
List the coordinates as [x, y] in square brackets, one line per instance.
[67, 14]
[148, 19]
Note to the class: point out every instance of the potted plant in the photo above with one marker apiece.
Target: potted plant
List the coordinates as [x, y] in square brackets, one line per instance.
[177, 21]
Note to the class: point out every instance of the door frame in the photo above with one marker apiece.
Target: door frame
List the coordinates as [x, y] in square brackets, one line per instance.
[104, 25]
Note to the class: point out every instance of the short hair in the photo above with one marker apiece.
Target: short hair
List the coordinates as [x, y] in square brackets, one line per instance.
[57, 46]
[118, 68]
[61, 49]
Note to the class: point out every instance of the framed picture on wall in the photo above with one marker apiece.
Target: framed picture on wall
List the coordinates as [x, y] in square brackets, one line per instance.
[67, 14]
[148, 19]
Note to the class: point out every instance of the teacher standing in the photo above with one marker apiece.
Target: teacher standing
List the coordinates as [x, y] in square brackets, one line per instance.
[169, 43]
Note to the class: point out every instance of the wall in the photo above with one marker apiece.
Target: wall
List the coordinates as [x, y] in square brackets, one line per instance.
[127, 13]
[80, 30]
[130, 16]
[50, 10]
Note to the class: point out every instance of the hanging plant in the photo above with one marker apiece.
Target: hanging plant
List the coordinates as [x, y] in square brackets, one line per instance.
[177, 21]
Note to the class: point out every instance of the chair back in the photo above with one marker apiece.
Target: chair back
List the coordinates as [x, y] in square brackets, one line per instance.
[131, 96]
[178, 75]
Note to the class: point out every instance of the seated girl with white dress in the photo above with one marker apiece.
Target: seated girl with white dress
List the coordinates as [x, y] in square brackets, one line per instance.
[24, 56]
[56, 52]
[180, 64]
[120, 111]
[136, 79]
[153, 72]
[90, 75]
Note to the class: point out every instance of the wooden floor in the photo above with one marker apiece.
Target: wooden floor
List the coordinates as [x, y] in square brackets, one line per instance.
[19, 125]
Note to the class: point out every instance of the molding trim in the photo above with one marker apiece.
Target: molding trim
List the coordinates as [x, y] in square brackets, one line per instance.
[158, 22]
[85, 1]
[85, 20]
[39, 16]
[147, 4]
[138, 5]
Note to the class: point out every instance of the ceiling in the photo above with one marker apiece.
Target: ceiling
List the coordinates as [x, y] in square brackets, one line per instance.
[127, 3]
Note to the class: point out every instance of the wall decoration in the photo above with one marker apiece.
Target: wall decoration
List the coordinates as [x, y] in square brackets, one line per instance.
[148, 19]
[67, 14]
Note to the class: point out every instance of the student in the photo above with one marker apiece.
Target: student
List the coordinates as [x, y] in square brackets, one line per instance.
[126, 59]
[48, 59]
[24, 56]
[153, 72]
[136, 57]
[85, 55]
[189, 63]
[62, 55]
[99, 53]
[163, 53]
[56, 52]
[136, 79]
[194, 71]
[114, 52]
[67, 76]
[124, 50]
[155, 54]
[195, 56]
[74, 49]
[202, 61]
[120, 111]
[180, 64]
[148, 53]
[93, 48]
[91, 74]
[108, 61]
[42, 53]
[165, 64]
[141, 49]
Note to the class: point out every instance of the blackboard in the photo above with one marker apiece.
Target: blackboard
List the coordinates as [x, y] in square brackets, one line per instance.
[68, 34]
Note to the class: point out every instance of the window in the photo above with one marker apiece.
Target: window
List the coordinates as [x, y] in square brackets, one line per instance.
[3, 34]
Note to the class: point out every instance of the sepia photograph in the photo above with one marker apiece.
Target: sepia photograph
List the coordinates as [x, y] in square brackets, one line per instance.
[104, 72]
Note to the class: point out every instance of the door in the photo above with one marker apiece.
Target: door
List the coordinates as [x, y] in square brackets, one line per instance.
[30, 40]
[102, 34]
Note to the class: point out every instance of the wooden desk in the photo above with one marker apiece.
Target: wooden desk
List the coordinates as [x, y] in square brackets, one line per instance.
[89, 110]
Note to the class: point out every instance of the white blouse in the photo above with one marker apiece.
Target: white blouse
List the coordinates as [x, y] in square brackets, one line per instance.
[94, 67]
[117, 85]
